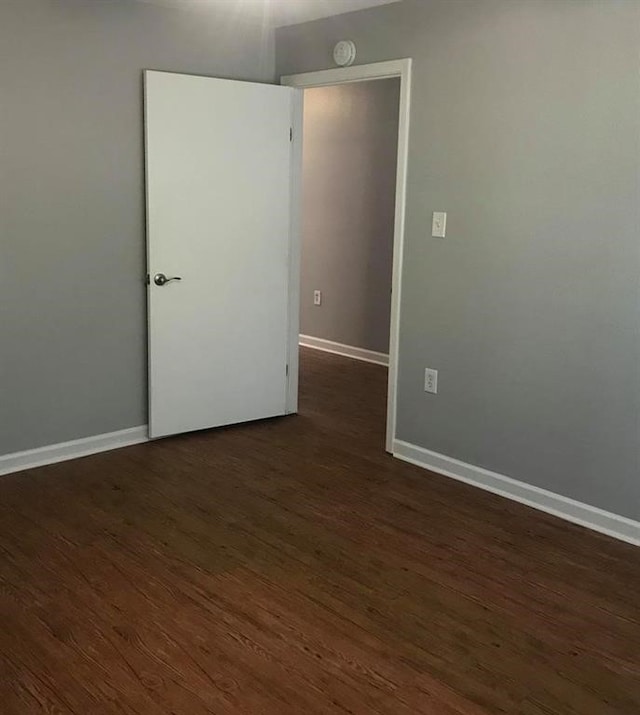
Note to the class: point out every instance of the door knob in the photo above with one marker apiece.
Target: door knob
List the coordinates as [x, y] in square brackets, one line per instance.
[160, 279]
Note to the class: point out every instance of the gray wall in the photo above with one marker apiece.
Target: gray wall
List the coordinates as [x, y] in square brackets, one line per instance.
[525, 128]
[348, 185]
[72, 300]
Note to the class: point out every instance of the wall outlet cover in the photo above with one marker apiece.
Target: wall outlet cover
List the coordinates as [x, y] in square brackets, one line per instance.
[431, 381]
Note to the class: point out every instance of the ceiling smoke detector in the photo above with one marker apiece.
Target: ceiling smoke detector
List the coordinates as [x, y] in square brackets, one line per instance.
[344, 53]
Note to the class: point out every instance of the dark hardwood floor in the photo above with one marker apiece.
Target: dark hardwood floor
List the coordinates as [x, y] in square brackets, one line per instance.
[292, 567]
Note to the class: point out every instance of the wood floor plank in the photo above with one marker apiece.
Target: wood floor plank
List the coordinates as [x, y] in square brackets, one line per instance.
[291, 566]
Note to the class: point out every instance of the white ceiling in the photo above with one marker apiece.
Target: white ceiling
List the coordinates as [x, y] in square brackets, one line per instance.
[279, 12]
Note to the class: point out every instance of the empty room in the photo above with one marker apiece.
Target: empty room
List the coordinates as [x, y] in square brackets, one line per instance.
[320, 357]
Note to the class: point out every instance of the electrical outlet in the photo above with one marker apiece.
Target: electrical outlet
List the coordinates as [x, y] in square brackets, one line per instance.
[431, 381]
[317, 297]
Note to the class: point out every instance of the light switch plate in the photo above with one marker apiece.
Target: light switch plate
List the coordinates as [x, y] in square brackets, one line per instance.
[439, 225]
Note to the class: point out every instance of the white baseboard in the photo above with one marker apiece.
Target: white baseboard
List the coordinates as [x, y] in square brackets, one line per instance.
[53, 453]
[593, 518]
[328, 346]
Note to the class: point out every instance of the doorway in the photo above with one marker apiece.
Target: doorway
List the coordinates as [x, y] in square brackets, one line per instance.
[351, 224]
[177, 326]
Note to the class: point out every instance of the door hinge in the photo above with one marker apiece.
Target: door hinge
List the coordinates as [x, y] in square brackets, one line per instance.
[291, 134]
[287, 371]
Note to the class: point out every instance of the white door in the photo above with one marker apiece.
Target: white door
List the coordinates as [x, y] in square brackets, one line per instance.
[219, 177]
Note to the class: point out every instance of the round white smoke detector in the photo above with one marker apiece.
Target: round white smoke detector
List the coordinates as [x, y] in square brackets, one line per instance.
[344, 53]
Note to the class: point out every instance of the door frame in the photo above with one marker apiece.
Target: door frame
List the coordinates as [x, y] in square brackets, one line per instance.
[359, 73]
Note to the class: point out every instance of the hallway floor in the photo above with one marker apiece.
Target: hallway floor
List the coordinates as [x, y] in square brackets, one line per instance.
[292, 567]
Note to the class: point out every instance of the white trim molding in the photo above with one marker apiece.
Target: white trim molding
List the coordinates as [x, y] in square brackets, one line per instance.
[354, 73]
[328, 346]
[19, 461]
[364, 73]
[619, 527]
